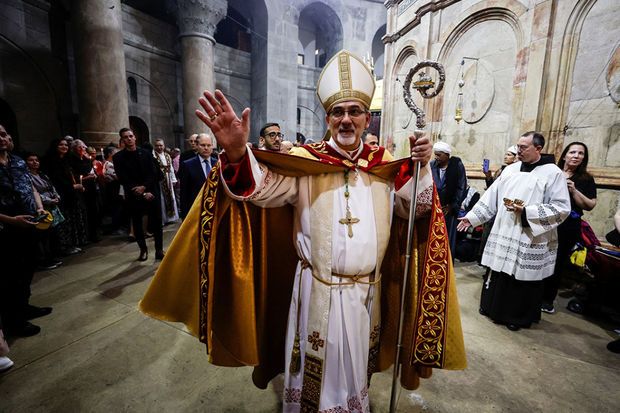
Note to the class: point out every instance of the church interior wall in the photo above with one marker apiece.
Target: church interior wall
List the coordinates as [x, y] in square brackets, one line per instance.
[312, 124]
[233, 74]
[542, 66]
[29, 75]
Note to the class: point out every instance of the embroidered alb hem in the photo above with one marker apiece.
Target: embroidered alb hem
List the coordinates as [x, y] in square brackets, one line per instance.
[358, 403]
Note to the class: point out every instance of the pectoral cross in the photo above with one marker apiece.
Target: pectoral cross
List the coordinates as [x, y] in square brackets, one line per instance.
[348, 220]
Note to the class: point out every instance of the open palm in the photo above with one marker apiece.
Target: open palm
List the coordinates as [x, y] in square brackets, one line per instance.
[231, 132]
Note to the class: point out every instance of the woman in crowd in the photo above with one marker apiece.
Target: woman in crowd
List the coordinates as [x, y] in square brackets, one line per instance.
[582, 190]
[57, 166]
[50, 200]
[84, 172]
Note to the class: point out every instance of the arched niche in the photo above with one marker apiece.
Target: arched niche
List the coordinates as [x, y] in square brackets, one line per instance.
[398, 122]
[152, 108]
[234, 30]
[19, 68]
[378, 50]
[140, 130]
[489, 43]
[592, 113]
[320, 33]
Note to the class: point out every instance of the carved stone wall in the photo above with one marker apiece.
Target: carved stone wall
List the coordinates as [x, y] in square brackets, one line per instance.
[538, 65]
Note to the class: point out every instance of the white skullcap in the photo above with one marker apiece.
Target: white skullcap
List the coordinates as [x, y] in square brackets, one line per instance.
[345, 77]
[442, 147]
[513, 149]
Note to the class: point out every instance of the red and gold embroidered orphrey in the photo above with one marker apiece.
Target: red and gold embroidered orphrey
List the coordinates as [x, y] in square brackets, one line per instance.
[311, 385]
[430, 330]
[207, 213]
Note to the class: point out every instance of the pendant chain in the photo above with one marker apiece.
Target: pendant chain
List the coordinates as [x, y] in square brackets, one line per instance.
[348, 220]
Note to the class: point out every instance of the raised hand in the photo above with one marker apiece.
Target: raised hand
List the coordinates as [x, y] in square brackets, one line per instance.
[230, 132]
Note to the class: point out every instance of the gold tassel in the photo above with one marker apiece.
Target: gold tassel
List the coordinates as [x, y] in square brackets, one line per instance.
[295, 365]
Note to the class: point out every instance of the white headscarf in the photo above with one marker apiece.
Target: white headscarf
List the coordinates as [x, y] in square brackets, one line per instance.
[513, 149]
[442, 147]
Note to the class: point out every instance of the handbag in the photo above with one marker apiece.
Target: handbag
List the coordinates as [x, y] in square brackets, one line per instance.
[57, 216]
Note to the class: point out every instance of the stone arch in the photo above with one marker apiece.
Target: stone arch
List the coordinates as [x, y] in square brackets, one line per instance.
[140, 129]
[151, 103]
[590, 112]
[397, 121]
[317, 123]
[18, 68]
[320, 33]
[378, 50]
[234, 30]
[501, 61]
[132, 89]
[566, 67]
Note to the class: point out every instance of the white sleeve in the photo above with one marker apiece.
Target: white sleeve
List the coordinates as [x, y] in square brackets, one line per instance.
[554, 209]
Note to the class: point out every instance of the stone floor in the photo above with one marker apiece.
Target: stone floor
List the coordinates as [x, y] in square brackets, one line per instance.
[97, 353]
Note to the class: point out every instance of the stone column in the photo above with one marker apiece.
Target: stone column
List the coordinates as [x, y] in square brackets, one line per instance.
[281, 64]
[197, 20]
[100, 70]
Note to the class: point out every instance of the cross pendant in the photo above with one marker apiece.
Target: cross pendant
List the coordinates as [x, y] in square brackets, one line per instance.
[348, 220]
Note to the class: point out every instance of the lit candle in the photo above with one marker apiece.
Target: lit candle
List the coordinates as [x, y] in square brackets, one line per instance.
[80, 179]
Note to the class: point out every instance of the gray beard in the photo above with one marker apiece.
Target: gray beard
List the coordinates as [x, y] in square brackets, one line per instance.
[345, 141]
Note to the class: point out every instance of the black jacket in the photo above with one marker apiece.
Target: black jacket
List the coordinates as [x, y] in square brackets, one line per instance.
[454, 188]
[144, 172]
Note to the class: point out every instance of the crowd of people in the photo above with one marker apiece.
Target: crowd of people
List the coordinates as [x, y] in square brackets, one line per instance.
[56, 204]
[524, 228]
[527, 221]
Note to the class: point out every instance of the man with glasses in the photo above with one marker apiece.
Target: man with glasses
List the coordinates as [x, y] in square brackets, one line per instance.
[270, 137]
[343, 197]
[529, 201]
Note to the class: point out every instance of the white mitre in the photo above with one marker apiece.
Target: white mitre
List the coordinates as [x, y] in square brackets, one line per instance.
[345, 77]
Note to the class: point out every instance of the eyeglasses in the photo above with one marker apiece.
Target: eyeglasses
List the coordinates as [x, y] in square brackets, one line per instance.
[274, 134]
[338, 113]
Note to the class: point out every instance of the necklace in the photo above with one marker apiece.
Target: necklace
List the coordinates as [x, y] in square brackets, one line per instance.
[348, 219]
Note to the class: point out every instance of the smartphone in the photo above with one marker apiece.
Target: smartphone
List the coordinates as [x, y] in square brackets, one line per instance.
[485, 165]
[39, 218]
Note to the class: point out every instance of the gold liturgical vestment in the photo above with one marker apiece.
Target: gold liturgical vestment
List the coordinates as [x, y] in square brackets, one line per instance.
[228, 276]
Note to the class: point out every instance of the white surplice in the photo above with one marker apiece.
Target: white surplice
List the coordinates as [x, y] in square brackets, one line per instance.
[349, 310]
[527, 253]
[169, 179]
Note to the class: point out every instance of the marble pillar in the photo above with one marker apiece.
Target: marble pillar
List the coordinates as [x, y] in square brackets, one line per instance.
[100, 70]
[197, 20]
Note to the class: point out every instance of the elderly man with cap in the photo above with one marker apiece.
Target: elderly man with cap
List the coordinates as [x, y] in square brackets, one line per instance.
[342, 195]
[451, 181]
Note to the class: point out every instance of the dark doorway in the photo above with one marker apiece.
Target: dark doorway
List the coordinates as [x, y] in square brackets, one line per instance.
[9, 121]
[139, 128]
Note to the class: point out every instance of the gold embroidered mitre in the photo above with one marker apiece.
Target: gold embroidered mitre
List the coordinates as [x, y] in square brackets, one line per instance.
[345, 77]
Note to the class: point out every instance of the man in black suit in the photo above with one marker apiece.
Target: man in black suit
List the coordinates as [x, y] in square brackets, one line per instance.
[190, 153]
[451, 181]
[139, 174]
[194, 172]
